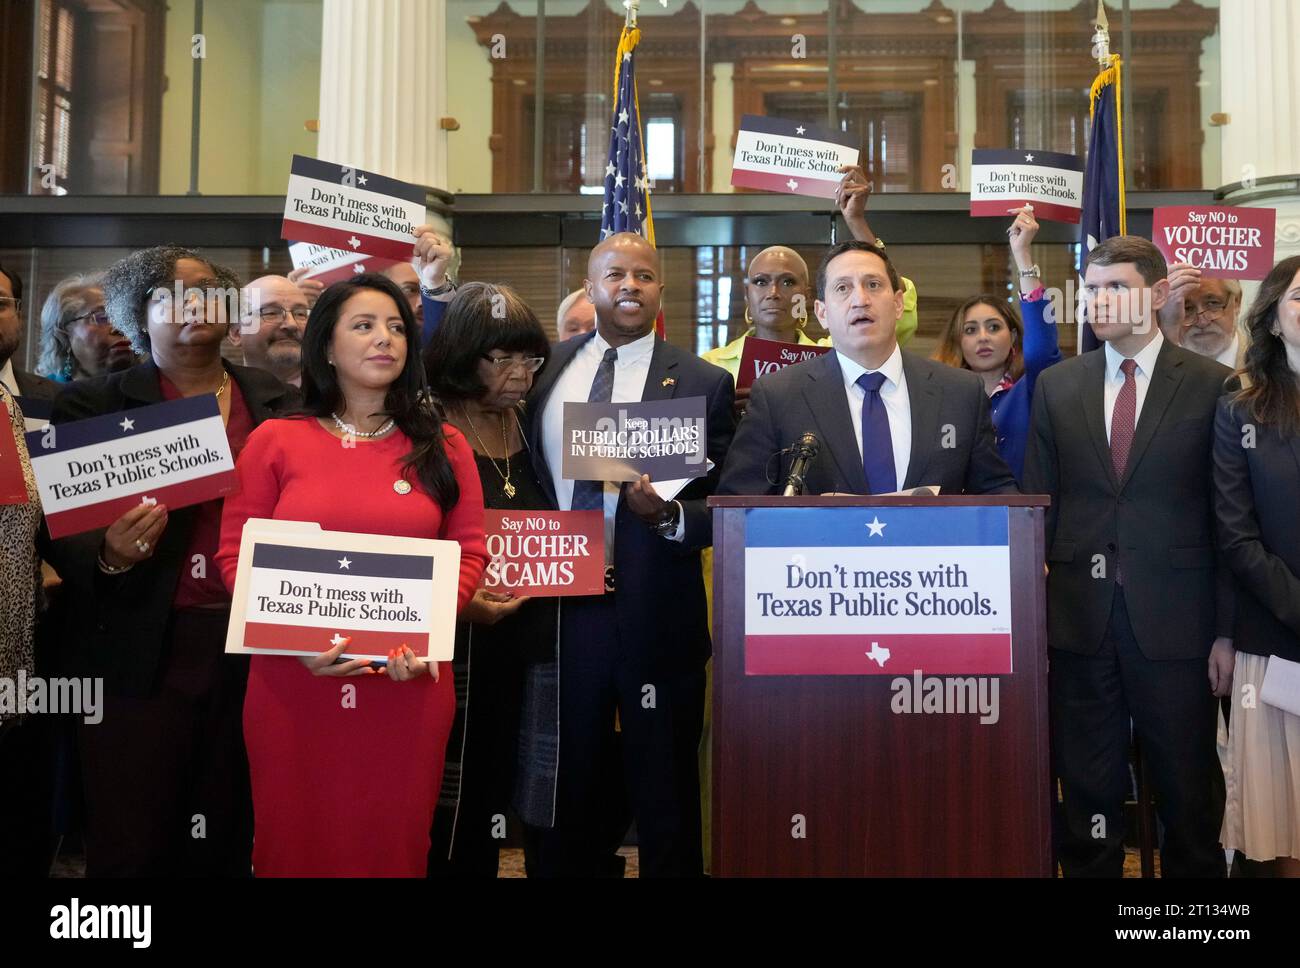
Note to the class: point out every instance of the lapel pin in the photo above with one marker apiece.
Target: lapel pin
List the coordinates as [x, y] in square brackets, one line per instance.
[670, 381]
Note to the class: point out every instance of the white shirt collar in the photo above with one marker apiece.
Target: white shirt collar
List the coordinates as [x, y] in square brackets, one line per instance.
[1229, 356]
[628, 352]
[7, 377]
[1145, 358]
[892, 368]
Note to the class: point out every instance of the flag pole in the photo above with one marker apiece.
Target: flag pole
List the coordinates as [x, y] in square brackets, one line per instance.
[1101, 39]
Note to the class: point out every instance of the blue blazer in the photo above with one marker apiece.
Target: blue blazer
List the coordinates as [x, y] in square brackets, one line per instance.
[1010, 409]
[662, 615]
[434, 310]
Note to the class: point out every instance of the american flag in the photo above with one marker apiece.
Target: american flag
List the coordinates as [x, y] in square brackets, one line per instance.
[627, 186]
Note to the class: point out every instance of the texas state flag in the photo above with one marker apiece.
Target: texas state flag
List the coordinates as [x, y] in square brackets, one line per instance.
[877, 591]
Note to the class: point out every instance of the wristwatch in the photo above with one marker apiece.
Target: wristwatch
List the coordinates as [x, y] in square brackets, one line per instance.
[666, 526]
[442, 290]
[1031, 272]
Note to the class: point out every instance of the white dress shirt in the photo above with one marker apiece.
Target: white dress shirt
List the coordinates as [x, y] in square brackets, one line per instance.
[1146, 364]
[574, 386]
[1229, 356]
[898, 407]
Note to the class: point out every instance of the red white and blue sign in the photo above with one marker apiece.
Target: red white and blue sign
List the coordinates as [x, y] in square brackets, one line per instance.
[300, 590]
[1001, 180]
[350, 209]
[794, 157]
[329, 266]
[373, 600]
[877, 591]
[90, 472]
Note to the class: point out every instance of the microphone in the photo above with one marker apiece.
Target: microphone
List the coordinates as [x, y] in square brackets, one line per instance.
[804, 450]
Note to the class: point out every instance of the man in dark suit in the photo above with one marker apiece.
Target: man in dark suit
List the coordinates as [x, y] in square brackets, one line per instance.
[640, 649]
[30, 388]
[885, 420]
[1121, 440]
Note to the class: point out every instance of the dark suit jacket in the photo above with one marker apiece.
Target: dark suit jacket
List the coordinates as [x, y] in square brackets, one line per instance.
[948, 405]
[1257, 503]
[35, 387]
[1159, 520]
[662, 615]
[115, 626]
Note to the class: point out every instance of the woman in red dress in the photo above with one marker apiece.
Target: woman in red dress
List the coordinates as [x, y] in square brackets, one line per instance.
[345, 780]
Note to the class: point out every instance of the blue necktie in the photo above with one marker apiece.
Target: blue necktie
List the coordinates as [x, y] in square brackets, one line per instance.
[590, 495]
[877, 444]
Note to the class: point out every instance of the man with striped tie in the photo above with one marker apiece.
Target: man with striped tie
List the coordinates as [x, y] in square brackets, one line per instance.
[1121, 440]
[638, 650]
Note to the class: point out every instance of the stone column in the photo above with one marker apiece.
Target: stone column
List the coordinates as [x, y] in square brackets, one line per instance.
[383, 87]
[1261, 96]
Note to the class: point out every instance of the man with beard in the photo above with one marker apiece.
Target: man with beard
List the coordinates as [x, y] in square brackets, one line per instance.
[19, 382]
[270, 332]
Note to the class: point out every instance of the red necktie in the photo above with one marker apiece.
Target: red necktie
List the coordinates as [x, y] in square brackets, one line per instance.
[1123, 420]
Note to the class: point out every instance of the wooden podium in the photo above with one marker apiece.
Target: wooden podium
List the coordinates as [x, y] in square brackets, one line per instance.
[816, 775]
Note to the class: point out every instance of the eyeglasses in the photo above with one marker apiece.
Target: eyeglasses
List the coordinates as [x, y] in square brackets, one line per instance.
[280, 315]
[98, 317]
[502, 364]
[1211, 309]
[9, 302]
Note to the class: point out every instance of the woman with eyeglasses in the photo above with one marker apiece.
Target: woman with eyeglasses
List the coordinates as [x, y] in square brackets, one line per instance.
[349, 788]
[77, 339]
[481, 362]
[165, 772]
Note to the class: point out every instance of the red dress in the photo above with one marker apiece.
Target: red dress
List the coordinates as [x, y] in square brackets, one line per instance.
[346, 791]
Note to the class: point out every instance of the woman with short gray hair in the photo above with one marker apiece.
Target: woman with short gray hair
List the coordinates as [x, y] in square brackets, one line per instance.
[77, 339]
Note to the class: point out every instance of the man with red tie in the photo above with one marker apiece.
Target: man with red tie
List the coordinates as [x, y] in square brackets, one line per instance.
[1139, 611]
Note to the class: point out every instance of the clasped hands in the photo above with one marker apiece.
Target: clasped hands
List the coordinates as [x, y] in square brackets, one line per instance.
[403, 664]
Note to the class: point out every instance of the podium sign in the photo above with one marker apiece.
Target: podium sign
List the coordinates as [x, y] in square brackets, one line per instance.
[880, 686]
[877, 591]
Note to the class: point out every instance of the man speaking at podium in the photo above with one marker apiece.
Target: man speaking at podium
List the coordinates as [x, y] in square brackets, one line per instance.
[884, 420]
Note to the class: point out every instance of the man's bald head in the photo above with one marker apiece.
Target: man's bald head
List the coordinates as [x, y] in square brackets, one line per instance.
[273, 287]
[625, 284]
[623, 241]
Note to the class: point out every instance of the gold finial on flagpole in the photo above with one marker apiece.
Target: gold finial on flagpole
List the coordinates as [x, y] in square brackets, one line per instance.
[1101, 39]
[633, 7]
